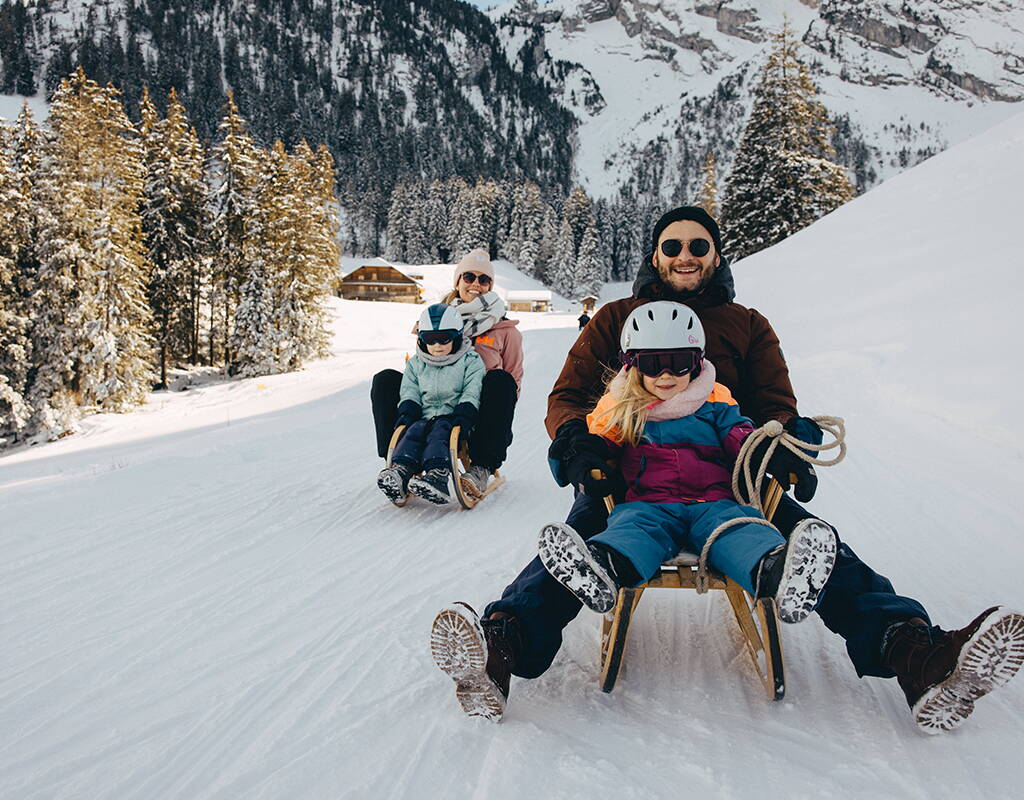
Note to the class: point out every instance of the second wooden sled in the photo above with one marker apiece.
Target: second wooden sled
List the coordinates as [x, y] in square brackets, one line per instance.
[758, 619]
[458, 454]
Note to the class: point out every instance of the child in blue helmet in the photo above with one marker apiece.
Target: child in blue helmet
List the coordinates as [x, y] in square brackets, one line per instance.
[440, 389]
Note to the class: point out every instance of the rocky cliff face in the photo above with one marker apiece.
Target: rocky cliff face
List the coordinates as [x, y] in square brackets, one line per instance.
[671, 79]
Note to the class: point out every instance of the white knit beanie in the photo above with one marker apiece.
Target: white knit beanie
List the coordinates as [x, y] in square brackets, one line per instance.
[476, 261]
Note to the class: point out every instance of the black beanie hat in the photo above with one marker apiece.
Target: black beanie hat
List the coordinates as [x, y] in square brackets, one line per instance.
[694, 213]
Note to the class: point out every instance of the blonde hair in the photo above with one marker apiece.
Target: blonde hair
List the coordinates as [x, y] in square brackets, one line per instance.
[626, 417]
[447, 299]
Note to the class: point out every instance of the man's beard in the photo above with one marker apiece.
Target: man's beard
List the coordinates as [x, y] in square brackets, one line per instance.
[705, 278]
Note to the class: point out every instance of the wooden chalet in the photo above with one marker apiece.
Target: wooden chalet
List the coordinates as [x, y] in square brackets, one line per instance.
[529, 300]
[379, 280]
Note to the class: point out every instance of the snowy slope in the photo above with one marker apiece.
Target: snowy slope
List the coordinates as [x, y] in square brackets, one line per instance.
[210, 599]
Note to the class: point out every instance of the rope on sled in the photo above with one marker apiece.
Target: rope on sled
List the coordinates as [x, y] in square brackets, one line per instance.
[750, 492]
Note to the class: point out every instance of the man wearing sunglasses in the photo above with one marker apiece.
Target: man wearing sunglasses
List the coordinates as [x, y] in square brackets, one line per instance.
[887, 635]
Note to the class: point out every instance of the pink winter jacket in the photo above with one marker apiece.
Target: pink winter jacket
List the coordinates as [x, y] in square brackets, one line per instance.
[501, 347]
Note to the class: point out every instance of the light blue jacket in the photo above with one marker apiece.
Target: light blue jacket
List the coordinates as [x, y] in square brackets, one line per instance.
[438, 389]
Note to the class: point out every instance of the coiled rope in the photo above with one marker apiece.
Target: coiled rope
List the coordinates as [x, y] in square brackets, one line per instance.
[749, 493]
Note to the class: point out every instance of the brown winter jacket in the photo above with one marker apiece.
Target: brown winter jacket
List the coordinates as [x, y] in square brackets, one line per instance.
[740, 343]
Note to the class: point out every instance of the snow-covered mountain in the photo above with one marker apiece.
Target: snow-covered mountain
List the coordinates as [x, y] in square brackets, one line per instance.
[606, 93]
[209, 599]
[668, 80]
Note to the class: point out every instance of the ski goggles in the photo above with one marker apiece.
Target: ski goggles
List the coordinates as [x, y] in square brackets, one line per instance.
[654, 362]
[437, 337]
[698, 247]
[472, 277]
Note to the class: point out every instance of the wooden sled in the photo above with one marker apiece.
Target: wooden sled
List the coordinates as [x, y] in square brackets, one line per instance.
[758, 619]
[460, 463]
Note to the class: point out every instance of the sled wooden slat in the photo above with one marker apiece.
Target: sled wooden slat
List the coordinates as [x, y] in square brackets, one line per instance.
[758, 620]
[391, 450]
[460, 463]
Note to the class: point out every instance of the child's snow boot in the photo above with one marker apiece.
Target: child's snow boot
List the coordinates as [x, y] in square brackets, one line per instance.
[478, 655]
[942, 673]
[394, 482]
[588, 571]
[474, 481]
[432, 486]
[795, 573]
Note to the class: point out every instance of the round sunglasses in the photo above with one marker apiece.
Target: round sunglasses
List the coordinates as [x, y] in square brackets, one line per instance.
[698, 247]
[472, 277]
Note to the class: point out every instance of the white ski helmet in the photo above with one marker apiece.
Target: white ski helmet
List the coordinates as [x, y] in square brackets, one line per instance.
[662, 325]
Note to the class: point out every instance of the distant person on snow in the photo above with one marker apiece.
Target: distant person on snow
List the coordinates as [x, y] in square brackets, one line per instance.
[499, 343]
[440, 390]
[942, 673]
[583, 319]
[675, 434]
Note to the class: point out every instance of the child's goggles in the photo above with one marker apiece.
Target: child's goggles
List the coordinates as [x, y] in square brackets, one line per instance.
[437, 337]
[653, 363]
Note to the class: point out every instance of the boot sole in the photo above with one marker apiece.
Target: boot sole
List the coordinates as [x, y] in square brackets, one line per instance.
[421, 488]
[470, 488]
[392, 488]
[459, 648]
[988, 660]
[566, 557]
[809, 562]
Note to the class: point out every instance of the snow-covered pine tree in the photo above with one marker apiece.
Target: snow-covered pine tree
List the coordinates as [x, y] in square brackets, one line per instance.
[174, 224]
[589, 268]
[531, 229]
[435, 222]
[579, 214]
[548, 244]
[561, 275]
[470, 213]
[234, 198]
[93, 259]
[782, 179]
[399, 222]
[512, 241]
[708, 199]
[15, 352]
[418, 246]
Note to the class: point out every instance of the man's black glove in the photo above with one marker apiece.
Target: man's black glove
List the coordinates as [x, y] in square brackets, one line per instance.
[464, 415]
[579, 452]
[785, 462]
[408, 412]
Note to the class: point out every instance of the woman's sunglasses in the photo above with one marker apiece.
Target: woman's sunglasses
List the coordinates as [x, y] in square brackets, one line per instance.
[698, 247]
[654, 362]
[472, 277]
[437, 337]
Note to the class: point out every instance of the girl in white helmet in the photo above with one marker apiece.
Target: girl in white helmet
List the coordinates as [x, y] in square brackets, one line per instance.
[676, 435]
[440, 389]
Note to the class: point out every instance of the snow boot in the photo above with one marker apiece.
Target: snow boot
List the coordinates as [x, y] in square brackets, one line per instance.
[795, 573]
[394, 482]
[474, 481]
[585, 570]
[478, 655]
[432, 486]
[942, 673]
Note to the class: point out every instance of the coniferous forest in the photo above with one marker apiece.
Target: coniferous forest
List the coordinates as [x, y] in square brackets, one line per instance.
[128, 249]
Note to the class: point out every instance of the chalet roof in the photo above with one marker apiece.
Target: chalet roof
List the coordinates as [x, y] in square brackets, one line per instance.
[529, 295]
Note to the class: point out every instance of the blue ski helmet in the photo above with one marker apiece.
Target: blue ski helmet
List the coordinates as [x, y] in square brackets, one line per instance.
[440, 322]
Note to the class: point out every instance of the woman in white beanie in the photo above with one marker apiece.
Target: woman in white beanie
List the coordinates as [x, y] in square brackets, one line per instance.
[499, 343]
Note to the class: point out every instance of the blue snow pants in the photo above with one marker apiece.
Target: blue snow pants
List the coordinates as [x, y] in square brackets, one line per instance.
[424, 445]
[647, 534]
[858, 603]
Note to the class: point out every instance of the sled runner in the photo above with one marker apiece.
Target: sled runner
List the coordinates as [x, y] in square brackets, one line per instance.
[460, 463]
[758, 619]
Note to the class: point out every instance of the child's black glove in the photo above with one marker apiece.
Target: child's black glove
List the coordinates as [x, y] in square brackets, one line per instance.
[464, 415]
[408, 412]
[579, 452]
